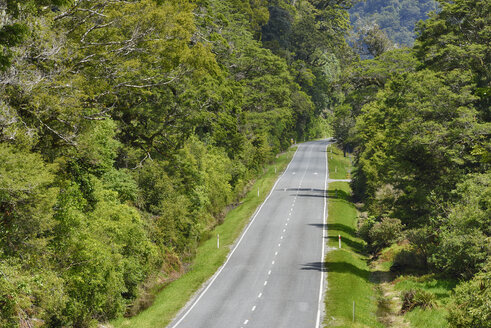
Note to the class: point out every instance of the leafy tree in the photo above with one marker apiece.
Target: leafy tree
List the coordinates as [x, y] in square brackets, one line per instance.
[27, 197]
[441, 44]
[470, 303]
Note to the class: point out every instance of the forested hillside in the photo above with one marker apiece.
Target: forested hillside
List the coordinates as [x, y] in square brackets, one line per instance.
[419, 123]
[396, 18]
[127, 128]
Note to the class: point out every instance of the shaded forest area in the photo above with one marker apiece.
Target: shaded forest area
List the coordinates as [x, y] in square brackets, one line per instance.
[128, 127]
[419, 122]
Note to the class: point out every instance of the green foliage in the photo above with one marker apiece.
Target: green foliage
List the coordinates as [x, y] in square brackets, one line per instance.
[371, 41]
[126, 130]
[418, 297]
[439, 44]
[461, 253]
[384, 233]
[464, 242]
[397, 18]
[419, 125]
[364, 227]
[470, 305]
[27, 197]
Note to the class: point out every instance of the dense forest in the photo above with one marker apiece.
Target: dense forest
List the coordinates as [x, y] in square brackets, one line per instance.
[128, 127]
[419, 123]
[396, 18]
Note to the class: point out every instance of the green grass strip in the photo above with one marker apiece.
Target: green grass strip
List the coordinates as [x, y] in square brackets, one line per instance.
[208, 258]
[339, 166]
[347, 271]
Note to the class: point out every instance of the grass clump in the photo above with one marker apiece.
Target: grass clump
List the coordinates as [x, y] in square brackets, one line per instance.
[418, 297]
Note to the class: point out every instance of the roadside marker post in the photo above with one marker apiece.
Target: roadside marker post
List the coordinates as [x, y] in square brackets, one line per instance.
[339, 241]
[218, 240]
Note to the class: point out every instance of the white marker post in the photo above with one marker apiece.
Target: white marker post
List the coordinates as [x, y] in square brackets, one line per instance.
[218, 240]
[257, 191]
[275, 170]
[339, 241]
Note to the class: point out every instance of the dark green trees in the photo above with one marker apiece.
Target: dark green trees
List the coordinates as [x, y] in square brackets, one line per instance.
[419, 121]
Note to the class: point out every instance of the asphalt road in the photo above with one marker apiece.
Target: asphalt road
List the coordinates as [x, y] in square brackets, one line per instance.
[274, 276]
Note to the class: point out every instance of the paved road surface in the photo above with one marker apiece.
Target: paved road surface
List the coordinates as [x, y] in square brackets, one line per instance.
[273, 277]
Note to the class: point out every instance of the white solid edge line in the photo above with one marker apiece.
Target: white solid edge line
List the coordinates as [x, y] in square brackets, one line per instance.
[237, 245]
[324, 219]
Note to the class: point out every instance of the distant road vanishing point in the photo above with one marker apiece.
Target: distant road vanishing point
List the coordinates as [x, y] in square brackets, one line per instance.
[274, 276]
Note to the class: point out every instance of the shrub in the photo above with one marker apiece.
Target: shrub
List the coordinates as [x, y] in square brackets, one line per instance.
[417, 297]
[407, 259]
[461, 254]
[384, 233]
[471, 303]
[365, 224]
[421, 244]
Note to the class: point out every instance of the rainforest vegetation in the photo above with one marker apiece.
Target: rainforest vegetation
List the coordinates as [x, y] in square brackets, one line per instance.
[396, 18]
[418, 121]
[128, 127]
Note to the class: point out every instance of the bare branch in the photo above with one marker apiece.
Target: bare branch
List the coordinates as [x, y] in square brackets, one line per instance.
[70, 142]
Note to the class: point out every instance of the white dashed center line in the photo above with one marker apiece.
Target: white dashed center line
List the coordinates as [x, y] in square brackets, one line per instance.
[253, 308]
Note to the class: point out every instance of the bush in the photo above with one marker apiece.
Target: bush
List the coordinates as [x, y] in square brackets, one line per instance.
[421, 241]
[365, 224]
[407, 259]
[461, 254]
[384, 233]
[417, 297]
[471, 303]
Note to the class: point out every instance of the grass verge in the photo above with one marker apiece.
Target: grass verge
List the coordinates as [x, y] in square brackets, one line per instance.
[208, 258]
[441, 288]
[394, 286]
[339, 166]
[347, 270]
